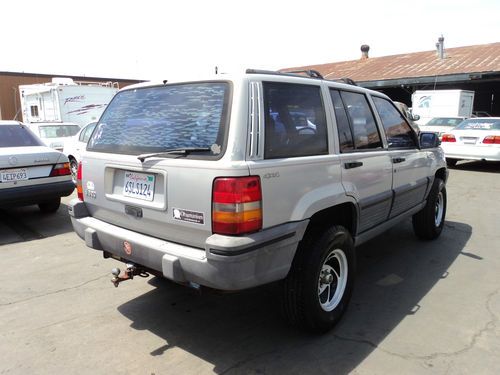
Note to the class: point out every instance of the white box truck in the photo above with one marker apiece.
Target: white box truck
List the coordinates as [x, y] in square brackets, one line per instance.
[441, 103]
[65, 100]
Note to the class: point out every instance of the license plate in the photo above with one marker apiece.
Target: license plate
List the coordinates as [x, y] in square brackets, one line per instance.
[469, 140]
[139, 185]
[14, 175]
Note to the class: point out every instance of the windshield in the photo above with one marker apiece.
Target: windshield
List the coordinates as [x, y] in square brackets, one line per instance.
[444, 121]
[479, 124]
[154, 119]
[58, 131]
[17, 136]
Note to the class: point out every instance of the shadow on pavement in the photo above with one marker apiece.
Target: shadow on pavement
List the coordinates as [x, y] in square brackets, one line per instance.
[29, 223]
[478, 166]
[245, 333]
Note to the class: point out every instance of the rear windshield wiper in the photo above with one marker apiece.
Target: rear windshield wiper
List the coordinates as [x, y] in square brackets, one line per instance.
[173, 151]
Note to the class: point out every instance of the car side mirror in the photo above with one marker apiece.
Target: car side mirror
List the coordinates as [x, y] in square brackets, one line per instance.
[415, 117]
[429, 140]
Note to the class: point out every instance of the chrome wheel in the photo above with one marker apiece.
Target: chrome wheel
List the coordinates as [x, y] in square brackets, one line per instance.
[74, 169]
[332, 280]
[439, 209]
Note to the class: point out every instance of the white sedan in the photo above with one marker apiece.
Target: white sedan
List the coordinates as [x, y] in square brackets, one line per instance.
[30, 172]
[474, 139]
[74, 147]
[441, 125]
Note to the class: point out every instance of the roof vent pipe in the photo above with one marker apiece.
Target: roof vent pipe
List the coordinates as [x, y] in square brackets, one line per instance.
[440, 47]
[364, 51]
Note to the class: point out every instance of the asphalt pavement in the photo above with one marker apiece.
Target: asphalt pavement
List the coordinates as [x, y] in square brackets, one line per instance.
[418, 307]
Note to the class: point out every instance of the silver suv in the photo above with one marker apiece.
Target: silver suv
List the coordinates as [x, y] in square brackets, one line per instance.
[235, 182]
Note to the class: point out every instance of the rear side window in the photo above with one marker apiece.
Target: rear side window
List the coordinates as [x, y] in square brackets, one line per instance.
[17, 136]
[155, 119]
[397, 130]
[355, 122]
[295, 121]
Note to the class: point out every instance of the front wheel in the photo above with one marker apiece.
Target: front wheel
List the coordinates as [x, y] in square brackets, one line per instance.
[429, 222]
[73, 164]
[319, 285]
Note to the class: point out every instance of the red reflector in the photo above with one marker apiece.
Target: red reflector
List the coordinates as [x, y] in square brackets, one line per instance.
[79, 188]
[236, 205]
[492, 140]
[448, 138]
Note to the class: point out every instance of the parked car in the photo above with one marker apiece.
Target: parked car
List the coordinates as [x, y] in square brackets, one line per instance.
[233, 202]
[30, 172]
[74, 147]
[54, 134]
[441, 125]
[474, 139]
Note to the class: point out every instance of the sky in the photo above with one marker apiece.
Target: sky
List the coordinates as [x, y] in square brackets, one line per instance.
[162, 39]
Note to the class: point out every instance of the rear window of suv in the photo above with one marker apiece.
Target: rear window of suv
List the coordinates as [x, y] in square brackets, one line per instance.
[158, 118]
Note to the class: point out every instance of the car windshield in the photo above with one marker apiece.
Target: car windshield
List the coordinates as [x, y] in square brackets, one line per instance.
[154, 119]
[444, 121]
[58, 131]
[479, 124]
[17, 136]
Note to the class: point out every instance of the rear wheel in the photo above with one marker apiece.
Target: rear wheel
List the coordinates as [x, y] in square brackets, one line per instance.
[50, 206]
[429, 222]
[319, 285]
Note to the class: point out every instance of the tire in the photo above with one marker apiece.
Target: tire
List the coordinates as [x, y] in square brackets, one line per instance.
[451, 162]
[429, 222]
[318, 288]
[73, 165]
[50, 206]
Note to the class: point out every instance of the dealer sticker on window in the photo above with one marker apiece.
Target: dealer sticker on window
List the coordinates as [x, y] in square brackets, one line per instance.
[189, 216]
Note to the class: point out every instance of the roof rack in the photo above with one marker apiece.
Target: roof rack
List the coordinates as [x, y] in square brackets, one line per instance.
[309, 73]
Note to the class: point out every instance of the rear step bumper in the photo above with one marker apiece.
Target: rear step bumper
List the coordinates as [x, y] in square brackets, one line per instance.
[225, 263]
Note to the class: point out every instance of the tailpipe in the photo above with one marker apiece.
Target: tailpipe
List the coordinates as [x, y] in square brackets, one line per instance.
[129, 273]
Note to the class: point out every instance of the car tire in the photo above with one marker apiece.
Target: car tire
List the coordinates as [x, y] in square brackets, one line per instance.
[73, 165]
[429, 222]
[50, 206]
[319, 285]
[451, 162]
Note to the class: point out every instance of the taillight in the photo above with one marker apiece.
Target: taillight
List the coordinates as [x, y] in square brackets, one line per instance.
[492, 140]
[79, 188]
[60, 170]
[448, 138]
[236, 205]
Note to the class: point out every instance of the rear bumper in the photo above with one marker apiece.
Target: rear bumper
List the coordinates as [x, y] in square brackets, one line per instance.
[33, 194]
[472, 152]
[226, 263]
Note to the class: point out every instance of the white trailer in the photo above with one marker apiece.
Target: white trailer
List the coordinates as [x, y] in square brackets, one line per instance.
[441, 103]
[64, 100]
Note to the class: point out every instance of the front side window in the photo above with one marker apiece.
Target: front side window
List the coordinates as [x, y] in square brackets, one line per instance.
[295, 121]
[397, 130]
[87, 132]
[159, 118]
[17, 136]
[364, 128]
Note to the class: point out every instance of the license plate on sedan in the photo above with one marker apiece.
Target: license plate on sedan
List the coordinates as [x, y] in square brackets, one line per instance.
[139, 185]
[8, 175]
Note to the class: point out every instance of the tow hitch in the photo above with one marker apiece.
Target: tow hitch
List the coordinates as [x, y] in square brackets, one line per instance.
[129, 274]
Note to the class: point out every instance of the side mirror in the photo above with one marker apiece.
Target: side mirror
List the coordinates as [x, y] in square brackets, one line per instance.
[415, 117]
[429, 140]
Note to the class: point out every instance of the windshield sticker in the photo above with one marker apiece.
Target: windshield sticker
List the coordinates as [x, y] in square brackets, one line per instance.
[188, 216]
[216, 149]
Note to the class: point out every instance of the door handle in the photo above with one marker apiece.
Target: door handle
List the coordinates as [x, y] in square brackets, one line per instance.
[398, 160]
[353, 164]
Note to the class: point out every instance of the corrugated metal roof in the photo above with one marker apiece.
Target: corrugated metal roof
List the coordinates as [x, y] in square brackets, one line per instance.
[484, 58]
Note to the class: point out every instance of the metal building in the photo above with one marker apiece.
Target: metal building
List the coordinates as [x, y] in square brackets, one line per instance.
[475, 68]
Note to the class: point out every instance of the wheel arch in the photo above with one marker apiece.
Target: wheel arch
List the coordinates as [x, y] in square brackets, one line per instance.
[344, 214]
